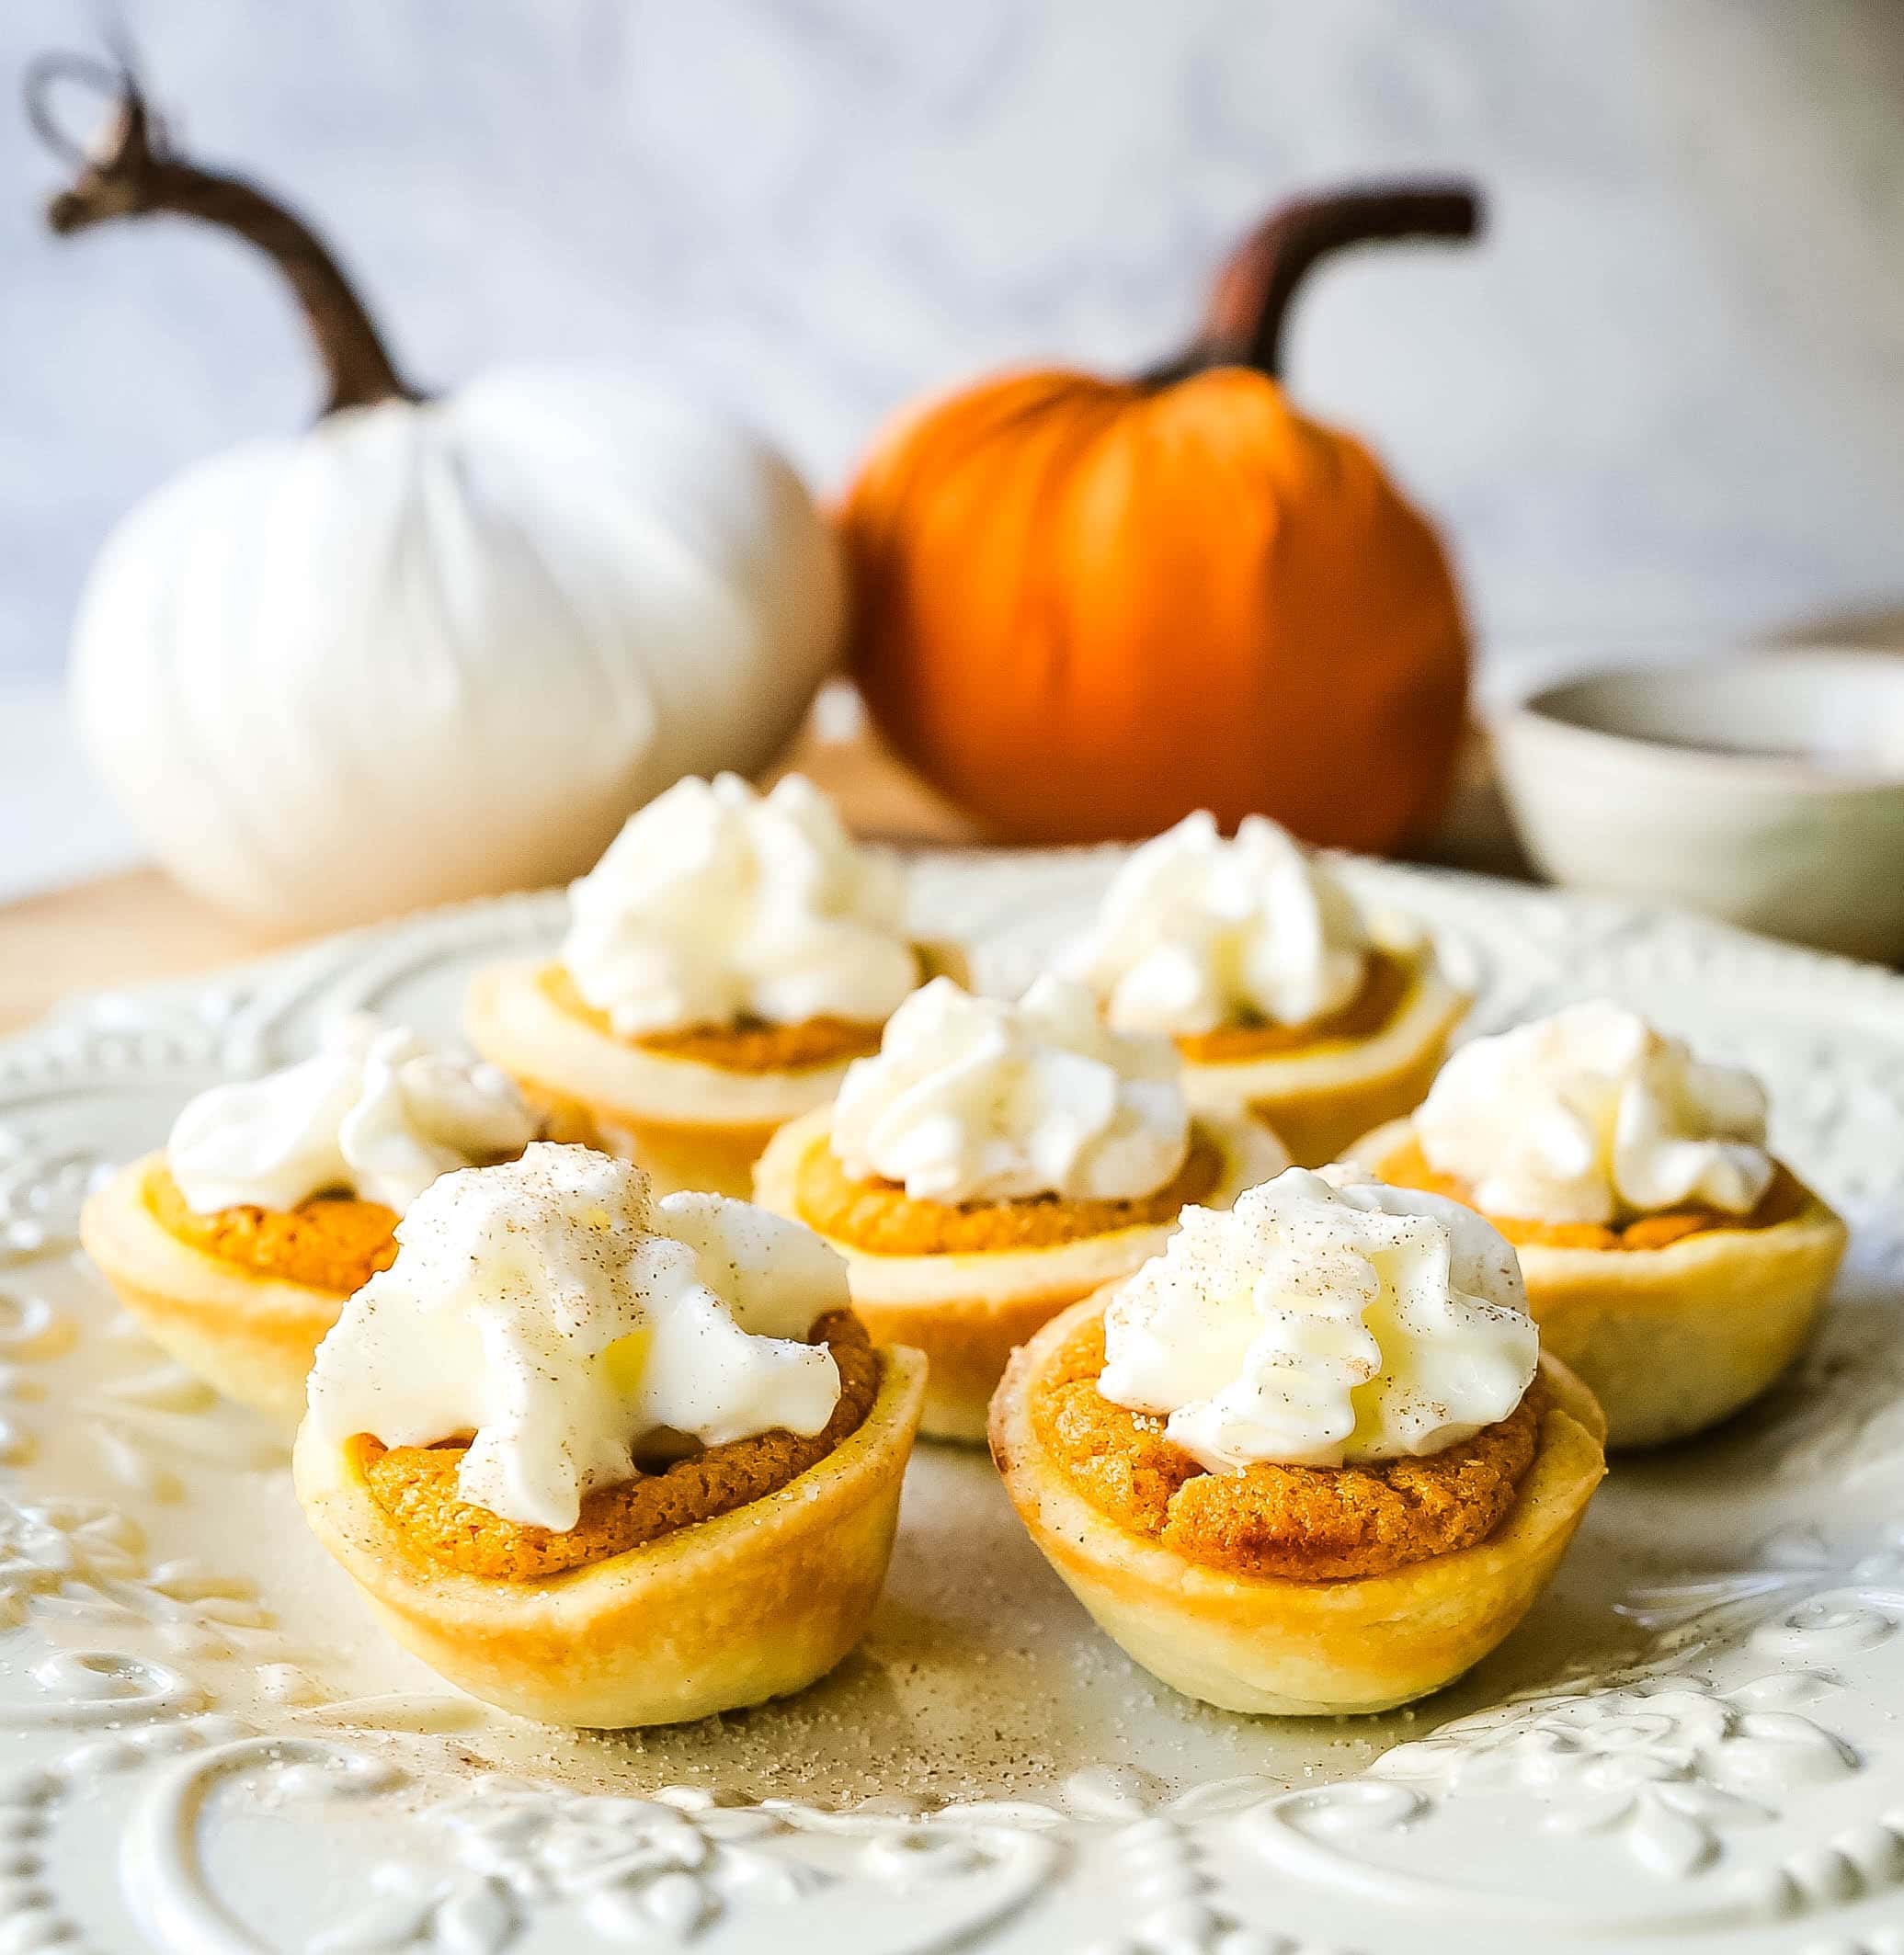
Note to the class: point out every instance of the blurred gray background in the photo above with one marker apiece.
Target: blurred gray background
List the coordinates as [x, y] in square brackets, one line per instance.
[1665, 399]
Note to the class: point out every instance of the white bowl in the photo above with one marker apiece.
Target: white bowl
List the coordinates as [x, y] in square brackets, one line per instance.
[1767, 789]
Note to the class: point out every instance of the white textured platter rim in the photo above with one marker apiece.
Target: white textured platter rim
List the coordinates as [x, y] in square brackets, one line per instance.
[1696, 1741]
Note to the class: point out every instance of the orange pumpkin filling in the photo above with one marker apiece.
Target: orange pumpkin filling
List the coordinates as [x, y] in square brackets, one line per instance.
[1386, 981]
[1407, 1168]
[1298, 1523]
[416, 1485]
[881, 1219]
[331, 1241]
[747, 1045]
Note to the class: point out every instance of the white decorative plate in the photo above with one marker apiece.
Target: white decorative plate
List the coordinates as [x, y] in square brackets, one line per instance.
[1695, 1742]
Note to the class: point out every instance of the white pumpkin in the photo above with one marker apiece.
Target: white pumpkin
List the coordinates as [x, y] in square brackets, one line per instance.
[432, 647]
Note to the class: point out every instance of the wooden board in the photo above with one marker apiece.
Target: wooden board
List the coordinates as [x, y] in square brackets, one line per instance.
[140, 925]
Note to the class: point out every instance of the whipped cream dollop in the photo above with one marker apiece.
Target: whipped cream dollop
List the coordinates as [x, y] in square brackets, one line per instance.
[1591, 1115]
[1197, 932]
[1326, 1319]
[978, 1099]
[374, 1111]
[551, 1307]
[716, 903]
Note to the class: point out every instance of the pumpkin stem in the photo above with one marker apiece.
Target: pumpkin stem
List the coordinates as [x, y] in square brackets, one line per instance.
[1249, 305]
[134, 172]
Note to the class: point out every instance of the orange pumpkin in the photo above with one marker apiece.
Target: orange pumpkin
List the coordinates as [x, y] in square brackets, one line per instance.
[1084, 606]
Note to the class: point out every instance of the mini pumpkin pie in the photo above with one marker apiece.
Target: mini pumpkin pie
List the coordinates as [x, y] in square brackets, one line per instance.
[1669, 1258]
[236, 1245]
[606, 1461]
[1309, 1459]
[1284, 998]
[995, 1163]
[725, 961]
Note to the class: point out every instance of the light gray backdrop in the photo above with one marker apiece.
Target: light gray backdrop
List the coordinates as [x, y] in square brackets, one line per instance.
[1667, 397]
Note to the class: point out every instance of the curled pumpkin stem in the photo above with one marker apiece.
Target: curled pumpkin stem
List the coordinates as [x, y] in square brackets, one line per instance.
[1248, 311]
[133, 172]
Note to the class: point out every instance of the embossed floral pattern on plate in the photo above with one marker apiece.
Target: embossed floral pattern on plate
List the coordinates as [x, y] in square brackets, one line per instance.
[1700, 1733]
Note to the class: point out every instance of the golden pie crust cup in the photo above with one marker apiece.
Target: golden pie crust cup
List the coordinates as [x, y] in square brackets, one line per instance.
[1284, 1648]
[1674, 1340]
[968, 1312]
[1319, 1098]
[688, 1124]
[250, 1337]
[731, 1611]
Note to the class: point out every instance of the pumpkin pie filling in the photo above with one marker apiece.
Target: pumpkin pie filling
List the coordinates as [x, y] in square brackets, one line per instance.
[1299, 1523]
[1387, 981]
[745, 1045]
[416, 1485]
[334, 1242]
[879, 1218]
[1783, 1200]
